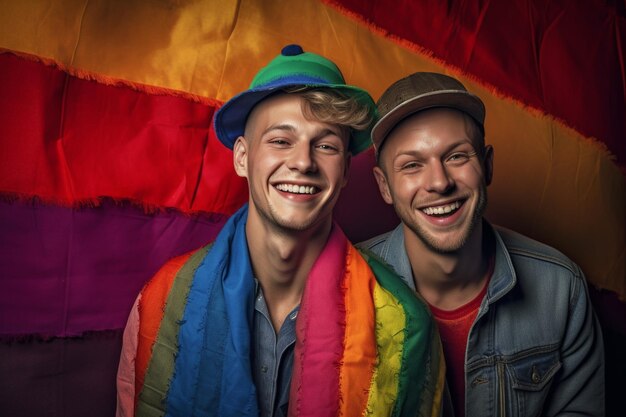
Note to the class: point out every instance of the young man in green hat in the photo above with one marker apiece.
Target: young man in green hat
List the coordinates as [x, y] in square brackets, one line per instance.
[281, 315]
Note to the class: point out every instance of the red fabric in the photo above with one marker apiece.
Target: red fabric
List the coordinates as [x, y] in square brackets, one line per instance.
[115, 141]
[454, 327]
[104, 140]
[526, 49]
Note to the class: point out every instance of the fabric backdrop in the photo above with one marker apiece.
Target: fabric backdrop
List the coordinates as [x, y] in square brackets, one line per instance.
[109, 165]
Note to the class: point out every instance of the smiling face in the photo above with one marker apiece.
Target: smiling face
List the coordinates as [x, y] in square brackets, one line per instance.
[295, 166]
[435, 178]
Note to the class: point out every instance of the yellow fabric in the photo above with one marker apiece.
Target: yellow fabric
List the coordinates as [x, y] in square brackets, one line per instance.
[550, 182]
[384, 388]
[437, 349]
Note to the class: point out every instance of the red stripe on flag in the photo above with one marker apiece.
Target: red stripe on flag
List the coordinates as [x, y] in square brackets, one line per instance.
[66, 139]
[564, 58]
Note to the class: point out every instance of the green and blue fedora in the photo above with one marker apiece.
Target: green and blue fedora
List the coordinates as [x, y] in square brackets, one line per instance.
[292, 68]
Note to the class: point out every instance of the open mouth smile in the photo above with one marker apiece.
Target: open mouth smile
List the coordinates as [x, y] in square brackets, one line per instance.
[297, 189]
[443, 210]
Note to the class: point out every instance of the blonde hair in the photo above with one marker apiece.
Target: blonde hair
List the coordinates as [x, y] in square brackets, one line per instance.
[331, 106]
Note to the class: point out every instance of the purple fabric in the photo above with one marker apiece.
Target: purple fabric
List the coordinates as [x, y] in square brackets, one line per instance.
[65, 271]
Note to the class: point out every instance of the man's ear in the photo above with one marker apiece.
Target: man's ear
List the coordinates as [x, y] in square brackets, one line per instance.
[383, 186]
[240, 157]
[488, 164]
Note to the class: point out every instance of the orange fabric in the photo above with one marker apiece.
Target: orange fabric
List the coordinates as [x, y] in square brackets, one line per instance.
[151, 314]
[358, 341]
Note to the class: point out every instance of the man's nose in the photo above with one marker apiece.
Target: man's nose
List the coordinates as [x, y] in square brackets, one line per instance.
[302, 158]
[438, 178]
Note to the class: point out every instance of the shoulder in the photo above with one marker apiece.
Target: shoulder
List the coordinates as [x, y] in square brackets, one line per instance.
[412, 303]
[524, 248]
[376, 244]
[160, 284]
[541, 268]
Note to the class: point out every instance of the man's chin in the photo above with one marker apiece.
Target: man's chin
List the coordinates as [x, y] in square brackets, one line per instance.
[296, 224]
[444, 247]
[444, 243]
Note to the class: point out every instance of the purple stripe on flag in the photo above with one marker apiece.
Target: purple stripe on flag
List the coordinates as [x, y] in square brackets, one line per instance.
[65, 271]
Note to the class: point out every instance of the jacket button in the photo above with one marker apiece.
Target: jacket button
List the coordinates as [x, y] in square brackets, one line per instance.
[535, 377]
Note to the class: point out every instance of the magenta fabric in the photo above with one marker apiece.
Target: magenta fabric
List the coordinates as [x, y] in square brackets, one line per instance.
[325, 327]
[66, 271]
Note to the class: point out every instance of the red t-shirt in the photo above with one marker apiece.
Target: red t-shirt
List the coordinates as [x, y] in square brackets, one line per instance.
[454, 327]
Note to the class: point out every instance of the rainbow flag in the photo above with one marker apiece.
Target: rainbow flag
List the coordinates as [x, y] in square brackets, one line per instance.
[366, 345]
[109, 166]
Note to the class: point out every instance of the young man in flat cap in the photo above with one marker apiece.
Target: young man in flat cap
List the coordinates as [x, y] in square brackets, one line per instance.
[281, 314]
[519, 334]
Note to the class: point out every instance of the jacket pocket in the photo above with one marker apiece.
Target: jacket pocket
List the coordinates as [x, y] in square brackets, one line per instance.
[530, 374]
[534, 372]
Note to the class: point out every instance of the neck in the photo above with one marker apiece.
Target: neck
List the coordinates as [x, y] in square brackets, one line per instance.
[449, 280]
[281, 260]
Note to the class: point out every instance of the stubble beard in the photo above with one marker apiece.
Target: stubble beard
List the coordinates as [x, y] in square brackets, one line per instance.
[444, 248]
[272, 217]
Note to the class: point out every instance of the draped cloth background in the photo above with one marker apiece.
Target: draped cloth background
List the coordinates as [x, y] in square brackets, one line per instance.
[109, 165]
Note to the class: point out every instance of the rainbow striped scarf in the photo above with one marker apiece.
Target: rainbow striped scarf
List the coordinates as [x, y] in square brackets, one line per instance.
[366, 345]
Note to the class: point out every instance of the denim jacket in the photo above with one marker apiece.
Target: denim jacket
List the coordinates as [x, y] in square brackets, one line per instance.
[535, 347]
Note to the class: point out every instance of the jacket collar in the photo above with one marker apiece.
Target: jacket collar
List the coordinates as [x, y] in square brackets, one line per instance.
[502, 280]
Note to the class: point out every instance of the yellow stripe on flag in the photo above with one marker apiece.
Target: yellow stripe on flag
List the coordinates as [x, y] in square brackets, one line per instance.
[384, 389]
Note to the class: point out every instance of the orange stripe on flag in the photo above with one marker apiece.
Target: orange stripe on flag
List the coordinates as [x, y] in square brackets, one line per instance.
[360, 342]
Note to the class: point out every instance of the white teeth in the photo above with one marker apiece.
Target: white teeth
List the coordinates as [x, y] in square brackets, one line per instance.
[448, 208]
[297, 189]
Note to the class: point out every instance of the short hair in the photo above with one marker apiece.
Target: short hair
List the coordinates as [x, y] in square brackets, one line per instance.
[476, 133]
[331, 106]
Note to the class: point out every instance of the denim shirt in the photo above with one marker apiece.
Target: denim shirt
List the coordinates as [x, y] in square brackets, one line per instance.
[272, 359]
[535, 347]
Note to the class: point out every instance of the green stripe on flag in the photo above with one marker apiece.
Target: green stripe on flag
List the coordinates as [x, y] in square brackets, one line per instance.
[161, 366]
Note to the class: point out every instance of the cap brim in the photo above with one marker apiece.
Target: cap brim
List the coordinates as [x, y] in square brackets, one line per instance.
[230, 120]
[455, 99]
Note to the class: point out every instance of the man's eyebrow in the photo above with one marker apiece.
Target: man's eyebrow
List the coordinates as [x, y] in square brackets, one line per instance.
[327, 131]
[459, 144]
[447, 150]
[291, 128]
[284, 126]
